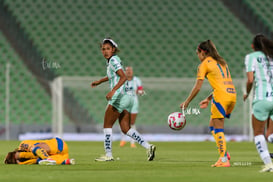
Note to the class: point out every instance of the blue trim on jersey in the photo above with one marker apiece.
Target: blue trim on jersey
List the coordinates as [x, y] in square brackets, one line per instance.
[63, 163]
[221, 109]
[211, 128]
[218, 130]
[60, 144]
[34, 150]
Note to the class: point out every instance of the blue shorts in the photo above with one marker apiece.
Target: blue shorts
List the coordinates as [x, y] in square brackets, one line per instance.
[262, 109]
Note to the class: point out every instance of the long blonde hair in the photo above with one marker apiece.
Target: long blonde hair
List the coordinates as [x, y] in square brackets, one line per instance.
[210, 50]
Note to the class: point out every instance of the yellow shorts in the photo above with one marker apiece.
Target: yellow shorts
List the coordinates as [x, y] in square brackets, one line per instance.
[221, 109]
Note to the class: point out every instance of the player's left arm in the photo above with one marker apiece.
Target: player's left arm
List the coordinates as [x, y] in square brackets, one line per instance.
[249, 83]
[195, 90]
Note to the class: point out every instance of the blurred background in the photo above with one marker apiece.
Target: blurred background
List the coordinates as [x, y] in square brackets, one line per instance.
[44, 40]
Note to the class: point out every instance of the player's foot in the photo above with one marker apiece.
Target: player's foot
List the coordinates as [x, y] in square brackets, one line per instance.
[47, 162]
[267, 168]
[104, 159]
[122, 143]
[151, 152]
[220, 163]
[70, 162]
[133, 145]
[271, 155]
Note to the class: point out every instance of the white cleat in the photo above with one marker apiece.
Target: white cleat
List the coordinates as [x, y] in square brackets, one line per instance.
[267, 168]
[47, 162]
[104, 159]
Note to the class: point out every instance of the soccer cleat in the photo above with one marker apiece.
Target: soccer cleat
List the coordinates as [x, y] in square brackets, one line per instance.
[267, 168]
[219, 163]
[151, 152]
[104, 159]
[133, 145]
[122, 143]
[47, 162]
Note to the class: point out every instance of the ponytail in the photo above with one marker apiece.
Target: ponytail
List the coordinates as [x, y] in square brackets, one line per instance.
[210, 50]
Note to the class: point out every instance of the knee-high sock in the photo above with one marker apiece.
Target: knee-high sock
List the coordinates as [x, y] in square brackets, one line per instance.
[262, 149]
[270, 138]
[221, 142]
[108, 141]
[40, 152]
[132, 140]
[137, 137]
[211, 128]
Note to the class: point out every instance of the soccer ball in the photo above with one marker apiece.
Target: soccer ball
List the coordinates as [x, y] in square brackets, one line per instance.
[176, 121]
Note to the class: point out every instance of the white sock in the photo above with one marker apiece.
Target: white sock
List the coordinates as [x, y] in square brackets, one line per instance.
[108, 141]
[123, 137]
[270, 138]
[262, 149]
[132, 140]
[137, 137]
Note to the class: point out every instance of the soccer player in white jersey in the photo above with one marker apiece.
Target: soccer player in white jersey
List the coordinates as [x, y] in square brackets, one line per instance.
[118, 102]
[133, 87]
[259, 68]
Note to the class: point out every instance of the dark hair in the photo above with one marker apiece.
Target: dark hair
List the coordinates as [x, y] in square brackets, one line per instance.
[209, 48]
[10, 158]
[261, 43]
[110, 41]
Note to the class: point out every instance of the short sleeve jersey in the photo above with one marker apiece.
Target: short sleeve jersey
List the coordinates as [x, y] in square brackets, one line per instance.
[131, 86]
[113, 66]
[219, 78]
[262, 67]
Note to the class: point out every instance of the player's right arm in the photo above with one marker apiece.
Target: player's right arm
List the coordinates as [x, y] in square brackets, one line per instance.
[97, 82]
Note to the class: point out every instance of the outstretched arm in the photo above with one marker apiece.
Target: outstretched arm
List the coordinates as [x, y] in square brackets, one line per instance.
[97, 82]
[194, 92]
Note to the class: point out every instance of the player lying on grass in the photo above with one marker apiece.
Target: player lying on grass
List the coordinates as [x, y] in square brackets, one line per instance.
[44, 152]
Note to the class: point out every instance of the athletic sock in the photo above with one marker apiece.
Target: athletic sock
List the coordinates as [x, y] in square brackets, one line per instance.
[133, 127]
[262, 149]
[270, 138]
[137, 137]
[108, 141]
[211, 128]
[221, 143]
[40, 152]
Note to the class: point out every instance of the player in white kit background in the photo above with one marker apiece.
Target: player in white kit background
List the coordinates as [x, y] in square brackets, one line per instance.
[133, 87]
[259, 68]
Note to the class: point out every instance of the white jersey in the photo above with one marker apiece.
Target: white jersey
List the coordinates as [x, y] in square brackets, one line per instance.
[113, 66]
[263, 75]
[131, 86]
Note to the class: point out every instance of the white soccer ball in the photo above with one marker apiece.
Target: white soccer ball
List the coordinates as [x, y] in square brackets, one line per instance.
[176, 121]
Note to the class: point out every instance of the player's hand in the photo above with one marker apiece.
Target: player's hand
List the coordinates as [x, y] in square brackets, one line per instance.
[245, 97]
[110, 94]
[184, 105]
[141, 92]
[94, 84]
[204, 103]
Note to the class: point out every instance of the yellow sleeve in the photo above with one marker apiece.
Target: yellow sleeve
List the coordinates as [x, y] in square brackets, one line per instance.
[202, 71]
[30, 161]
[27, 155]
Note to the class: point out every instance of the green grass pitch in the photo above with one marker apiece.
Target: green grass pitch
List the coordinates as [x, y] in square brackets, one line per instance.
[175, 161]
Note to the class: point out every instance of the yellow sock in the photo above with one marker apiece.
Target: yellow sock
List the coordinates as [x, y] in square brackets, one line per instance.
[214, 136]
[40, 152]
[221, 143]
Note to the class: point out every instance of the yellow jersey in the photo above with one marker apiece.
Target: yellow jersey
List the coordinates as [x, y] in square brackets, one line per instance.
[219, 78]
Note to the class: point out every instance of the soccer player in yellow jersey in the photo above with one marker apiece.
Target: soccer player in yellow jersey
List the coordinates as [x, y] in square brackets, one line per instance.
[215, 69]
[44, 152]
